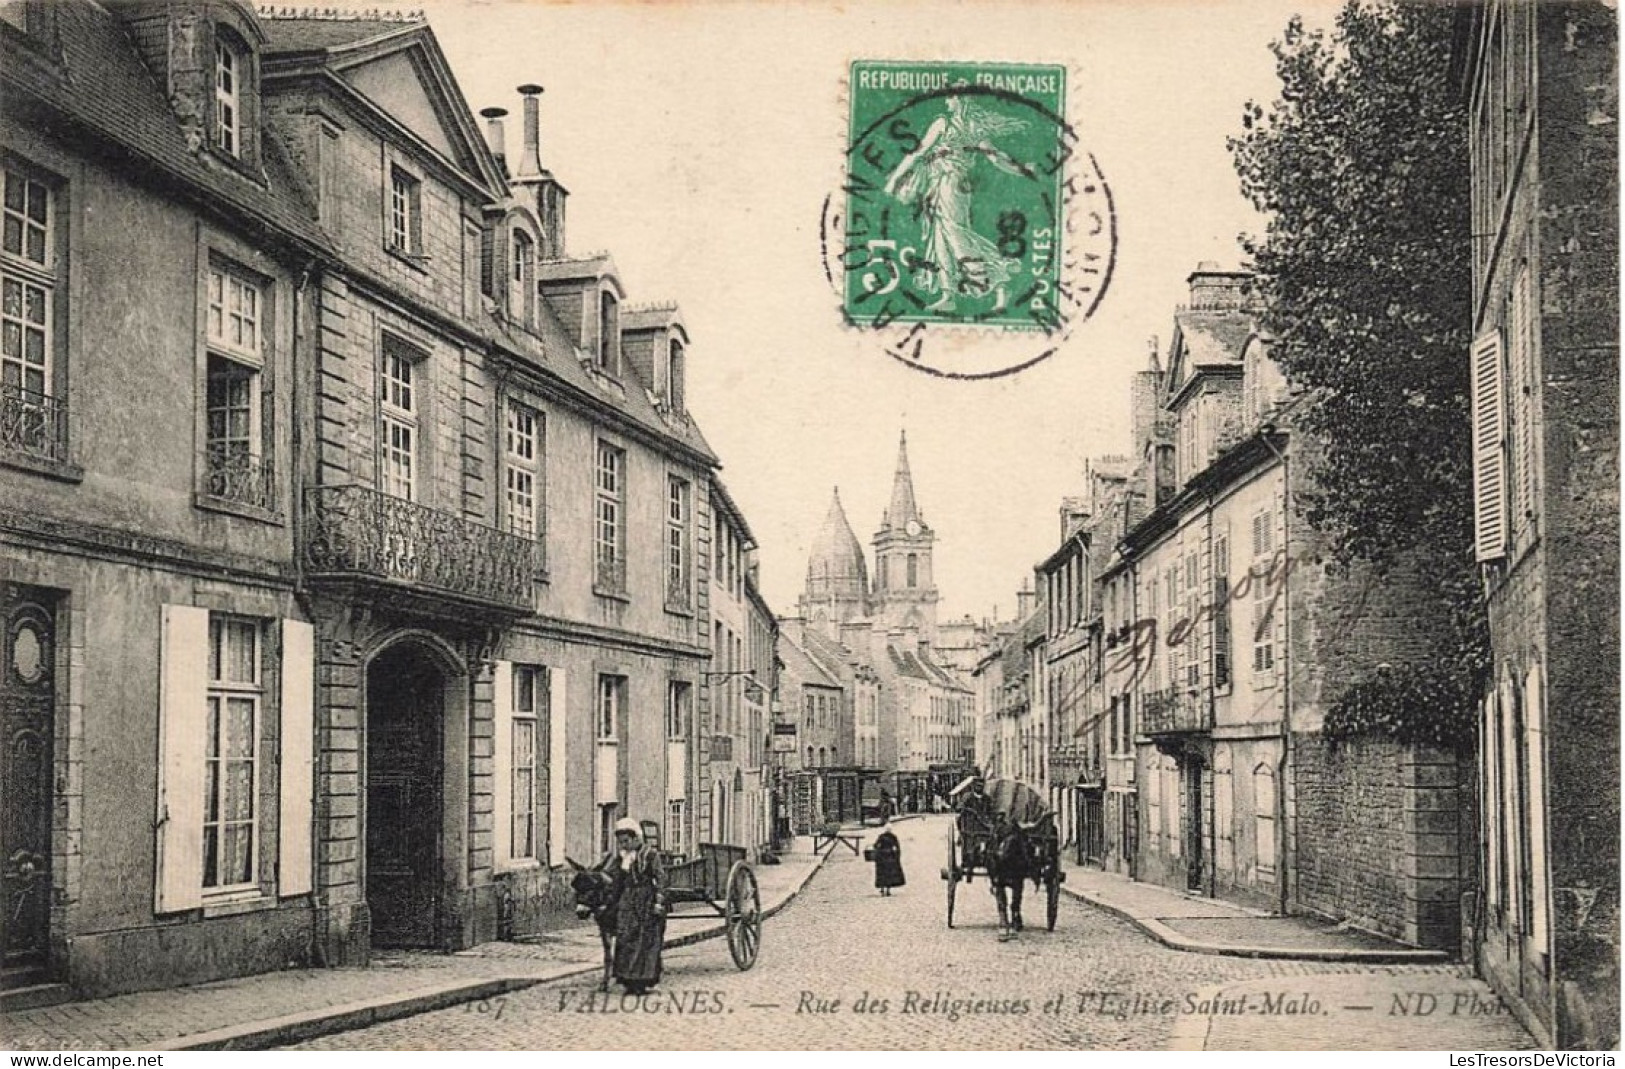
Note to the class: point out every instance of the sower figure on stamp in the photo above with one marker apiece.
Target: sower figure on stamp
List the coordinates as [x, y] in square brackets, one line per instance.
[639, 877]
[939, 179]
[888, 861]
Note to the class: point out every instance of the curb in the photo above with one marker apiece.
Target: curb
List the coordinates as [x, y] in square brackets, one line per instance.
[1168, 937]
[297, 1028]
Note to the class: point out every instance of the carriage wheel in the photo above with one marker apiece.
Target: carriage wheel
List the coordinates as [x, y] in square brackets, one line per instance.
[951, 873]
[742, 913]
[1052, 894]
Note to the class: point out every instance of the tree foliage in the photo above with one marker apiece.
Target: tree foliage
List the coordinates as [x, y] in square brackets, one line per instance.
[1361, 170]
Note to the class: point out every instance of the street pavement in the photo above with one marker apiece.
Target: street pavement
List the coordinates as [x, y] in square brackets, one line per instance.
[843, 968]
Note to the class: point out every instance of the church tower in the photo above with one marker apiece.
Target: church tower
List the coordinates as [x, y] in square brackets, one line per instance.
[905, 593]
[837, 589]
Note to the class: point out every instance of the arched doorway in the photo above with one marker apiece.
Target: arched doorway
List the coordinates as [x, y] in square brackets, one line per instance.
[406, 706]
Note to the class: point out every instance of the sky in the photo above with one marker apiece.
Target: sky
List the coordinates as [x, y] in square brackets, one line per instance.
[699, 142]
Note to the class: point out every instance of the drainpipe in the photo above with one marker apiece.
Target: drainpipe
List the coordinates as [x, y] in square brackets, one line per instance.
[1284, 869]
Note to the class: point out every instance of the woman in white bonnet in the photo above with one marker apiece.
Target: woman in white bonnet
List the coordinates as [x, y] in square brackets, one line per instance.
[639, 877]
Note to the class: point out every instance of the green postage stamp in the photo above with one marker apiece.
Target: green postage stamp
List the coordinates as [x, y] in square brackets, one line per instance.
[956, 200]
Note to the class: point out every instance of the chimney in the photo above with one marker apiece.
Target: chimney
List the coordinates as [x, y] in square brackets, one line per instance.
[530, 159]
[494, 135]
[1025, 597]
[1213, 288]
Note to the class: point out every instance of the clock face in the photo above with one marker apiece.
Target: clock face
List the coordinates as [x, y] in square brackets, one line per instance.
[913, 528]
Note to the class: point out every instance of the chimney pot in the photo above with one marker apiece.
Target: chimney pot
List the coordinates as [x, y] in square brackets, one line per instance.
[494, 135]
[530, 159]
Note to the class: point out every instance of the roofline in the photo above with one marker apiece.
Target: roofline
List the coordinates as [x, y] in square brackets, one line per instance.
[1069, 545]
[1253, 453]
[731, 507]
[1198, 371]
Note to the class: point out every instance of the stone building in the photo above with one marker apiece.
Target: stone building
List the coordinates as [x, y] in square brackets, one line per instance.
[1541, 81]
[1240, 634]
[358, 568]
[882, 635]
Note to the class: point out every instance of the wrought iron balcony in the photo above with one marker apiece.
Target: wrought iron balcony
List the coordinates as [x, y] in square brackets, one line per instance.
[355, 533]
[1175, 711]
[239, 477]
[33, 424]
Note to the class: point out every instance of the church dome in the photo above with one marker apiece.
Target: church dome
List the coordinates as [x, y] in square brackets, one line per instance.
[835, 567]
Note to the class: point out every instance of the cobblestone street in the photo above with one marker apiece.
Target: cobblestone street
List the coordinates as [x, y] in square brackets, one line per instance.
[843, 968]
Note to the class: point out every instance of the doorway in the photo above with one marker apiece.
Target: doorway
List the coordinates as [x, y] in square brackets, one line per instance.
[27, 716]
[1193, 825]
[405, 745]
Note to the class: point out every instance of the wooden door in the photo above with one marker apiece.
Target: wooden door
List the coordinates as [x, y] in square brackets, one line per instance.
[27, 704]
[405, 706]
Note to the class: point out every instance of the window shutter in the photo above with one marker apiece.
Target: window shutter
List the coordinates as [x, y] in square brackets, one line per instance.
[1522, 405]
[555, 765]
[502, 765]
[298, 725]
[1489, 461]
[182, 735]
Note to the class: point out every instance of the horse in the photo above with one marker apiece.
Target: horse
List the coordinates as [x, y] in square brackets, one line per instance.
[1010, 864]
[596, 897]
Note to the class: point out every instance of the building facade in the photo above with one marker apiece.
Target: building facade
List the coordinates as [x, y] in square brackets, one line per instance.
[406, 596]
[1541, 82]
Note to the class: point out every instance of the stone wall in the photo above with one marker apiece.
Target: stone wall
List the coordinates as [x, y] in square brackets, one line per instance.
[1379, 837]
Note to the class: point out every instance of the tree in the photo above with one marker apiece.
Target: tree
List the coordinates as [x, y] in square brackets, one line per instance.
[1361, 170]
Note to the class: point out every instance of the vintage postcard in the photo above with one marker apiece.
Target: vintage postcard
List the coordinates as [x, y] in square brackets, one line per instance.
[931, 526]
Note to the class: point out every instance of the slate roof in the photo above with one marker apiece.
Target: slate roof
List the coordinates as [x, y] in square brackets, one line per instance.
[801, 664]
[1214, 337]
[102, 88]
[303, 34]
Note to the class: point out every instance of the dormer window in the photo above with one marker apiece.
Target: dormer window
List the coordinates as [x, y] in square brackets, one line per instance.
[609, 333]
[228, 64]
[521, 275]
[674, 376]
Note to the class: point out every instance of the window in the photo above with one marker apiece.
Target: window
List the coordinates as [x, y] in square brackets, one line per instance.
[1221, 611]
[609, 334]
[611, 499]
[236, 459]
[520, 275]
[674, 826]
[399, 423]
[33, 421]
[674, 376]
[611, 703]
[522, 476]
[231, 749]
[1264, 597]
[677, 556]
[405, 212]
[913, 566]
[678, 697]
[529, 692]
[228, 64]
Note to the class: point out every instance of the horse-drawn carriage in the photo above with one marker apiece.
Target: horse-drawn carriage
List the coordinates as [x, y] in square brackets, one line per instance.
[1009, 836]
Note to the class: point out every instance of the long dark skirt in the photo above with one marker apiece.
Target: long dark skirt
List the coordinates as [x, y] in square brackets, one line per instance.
[888, 865]
[639, 933]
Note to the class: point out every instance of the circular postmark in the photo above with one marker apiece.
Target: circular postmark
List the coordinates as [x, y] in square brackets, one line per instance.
[971, 233]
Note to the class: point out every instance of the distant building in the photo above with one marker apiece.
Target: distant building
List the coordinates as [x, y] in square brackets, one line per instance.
[1542, 85]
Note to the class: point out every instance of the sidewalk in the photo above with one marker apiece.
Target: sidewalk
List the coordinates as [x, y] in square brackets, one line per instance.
[1210, 926]
[273, 1009]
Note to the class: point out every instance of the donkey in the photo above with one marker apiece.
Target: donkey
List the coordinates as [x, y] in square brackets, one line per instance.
[1009, 865]
[596, 897]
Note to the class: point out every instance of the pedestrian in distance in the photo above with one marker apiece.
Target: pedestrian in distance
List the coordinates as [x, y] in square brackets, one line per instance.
[888, 861]
[639, 877]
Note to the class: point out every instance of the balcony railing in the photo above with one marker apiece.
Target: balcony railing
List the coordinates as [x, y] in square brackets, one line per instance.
[240, 478]
[355, 532]
[33, 424]
[1175, 711]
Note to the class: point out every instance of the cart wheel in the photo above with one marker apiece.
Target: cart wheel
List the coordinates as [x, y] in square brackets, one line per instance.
[743, 916]
[1052, 893]
[951, 873]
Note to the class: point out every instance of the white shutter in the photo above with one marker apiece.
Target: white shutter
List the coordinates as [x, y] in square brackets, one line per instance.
[556, 764]
[1522, 403]
[502, 765]
[1489, 462]
[298, 726]
[182, 739]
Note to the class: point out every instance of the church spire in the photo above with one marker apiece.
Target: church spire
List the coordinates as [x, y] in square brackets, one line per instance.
[902, 509]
